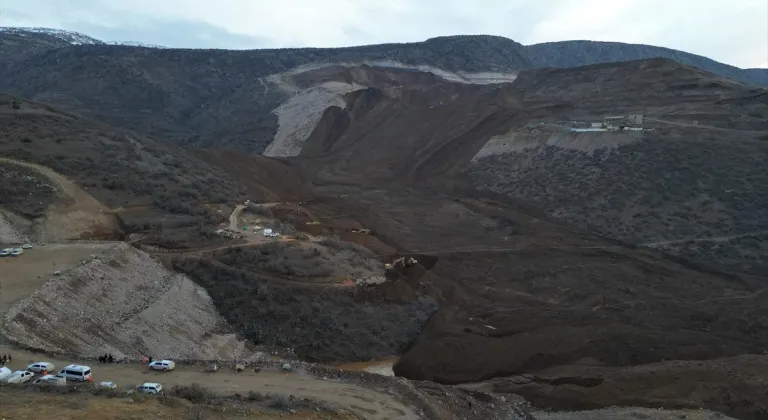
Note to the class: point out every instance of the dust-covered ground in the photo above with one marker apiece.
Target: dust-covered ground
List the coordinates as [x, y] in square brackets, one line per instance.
[133, 307]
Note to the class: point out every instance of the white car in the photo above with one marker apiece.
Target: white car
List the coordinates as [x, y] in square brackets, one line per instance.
[16, 252]
[26, 246]
[20, 377]
[107, 385]
[51, 380]
[40, 366]
[164, 365]
[150, 388]
[5, 252]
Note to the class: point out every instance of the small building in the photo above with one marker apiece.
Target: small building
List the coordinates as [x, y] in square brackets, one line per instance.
[616, 122]
[635, 120]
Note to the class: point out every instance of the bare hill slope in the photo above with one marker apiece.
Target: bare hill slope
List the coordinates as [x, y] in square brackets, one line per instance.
[121, 302]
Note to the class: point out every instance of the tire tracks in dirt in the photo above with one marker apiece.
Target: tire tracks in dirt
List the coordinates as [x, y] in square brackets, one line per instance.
[364, 402]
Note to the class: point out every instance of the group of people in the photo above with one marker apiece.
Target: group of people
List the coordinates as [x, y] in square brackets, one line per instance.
[5, 359]
[107, 358]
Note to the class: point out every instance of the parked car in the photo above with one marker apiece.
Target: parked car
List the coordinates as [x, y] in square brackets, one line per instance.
[57, 380]
[107, 385]
[150, 388]
[20, 377]
[164, 365]
[40, 366]
[5, 373]
[5, 252]
[26, 246]
[16, 252]
[76, 373]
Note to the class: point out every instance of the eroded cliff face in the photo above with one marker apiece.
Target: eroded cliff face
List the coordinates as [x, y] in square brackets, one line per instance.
[121, 302]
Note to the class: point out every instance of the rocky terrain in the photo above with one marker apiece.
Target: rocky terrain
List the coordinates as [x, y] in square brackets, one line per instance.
[226, 99]
[131, 306]
[570, 268]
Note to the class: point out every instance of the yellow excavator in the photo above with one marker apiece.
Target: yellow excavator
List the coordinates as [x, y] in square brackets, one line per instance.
[400, 263]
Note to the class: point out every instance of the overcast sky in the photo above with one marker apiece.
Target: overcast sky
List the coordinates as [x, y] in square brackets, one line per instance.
[731, 31]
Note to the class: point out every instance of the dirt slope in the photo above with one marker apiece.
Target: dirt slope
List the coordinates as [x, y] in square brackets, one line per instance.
[77, 216]
[130, 306]
[696, 175]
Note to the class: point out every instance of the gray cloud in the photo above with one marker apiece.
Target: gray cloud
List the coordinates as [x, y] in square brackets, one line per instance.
[734, 32]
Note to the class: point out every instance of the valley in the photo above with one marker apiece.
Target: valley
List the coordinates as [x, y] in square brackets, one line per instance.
[542, 267]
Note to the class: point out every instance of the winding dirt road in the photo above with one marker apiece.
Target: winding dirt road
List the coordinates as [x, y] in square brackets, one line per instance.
[81, 216]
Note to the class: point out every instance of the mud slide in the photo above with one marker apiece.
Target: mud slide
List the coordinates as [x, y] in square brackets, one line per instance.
[364, 402]
[78, 216]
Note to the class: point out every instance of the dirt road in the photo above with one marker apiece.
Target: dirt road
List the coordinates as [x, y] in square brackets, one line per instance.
[81, 216]
[24, 274]
[234, 215]
[704, 127]
[710, 239]
[363, 402]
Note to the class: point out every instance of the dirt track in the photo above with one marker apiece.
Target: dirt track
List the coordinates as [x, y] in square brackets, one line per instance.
[362, 401]
[81, 216]
[22, 275]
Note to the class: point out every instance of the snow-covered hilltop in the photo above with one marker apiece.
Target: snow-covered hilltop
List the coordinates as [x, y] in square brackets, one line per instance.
[69, 37]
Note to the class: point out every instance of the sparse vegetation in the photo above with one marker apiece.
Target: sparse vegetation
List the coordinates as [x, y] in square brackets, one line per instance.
[24, 191]
[305, 261]
[320, 323]
[671, 187]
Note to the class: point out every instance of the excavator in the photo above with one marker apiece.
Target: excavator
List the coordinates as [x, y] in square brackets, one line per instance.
[402, 262]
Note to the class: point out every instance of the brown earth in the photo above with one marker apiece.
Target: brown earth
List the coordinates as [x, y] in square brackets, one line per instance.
[734, 386]
[518, 291]
[76, 216]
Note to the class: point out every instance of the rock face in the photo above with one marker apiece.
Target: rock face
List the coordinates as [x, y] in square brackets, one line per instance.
[124, 303]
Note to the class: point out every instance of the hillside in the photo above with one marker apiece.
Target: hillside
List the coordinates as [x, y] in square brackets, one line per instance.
[225, 99]
[159, 193]
[566, 54]
[534, 244]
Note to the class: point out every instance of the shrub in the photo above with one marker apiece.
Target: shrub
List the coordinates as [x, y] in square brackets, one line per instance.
[195, 393]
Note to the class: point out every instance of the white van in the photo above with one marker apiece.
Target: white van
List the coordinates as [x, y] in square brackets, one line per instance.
[57, 380]
[76, 373]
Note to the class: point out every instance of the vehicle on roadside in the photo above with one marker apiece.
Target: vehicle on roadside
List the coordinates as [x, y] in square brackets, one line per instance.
[26, 246]
[163, 365]
[150, 388]
[77, 373]
[20, 377]
[5, 252]
[107, 385]
[16, 252]
[57, 380]
[5, 373]
[40, 366]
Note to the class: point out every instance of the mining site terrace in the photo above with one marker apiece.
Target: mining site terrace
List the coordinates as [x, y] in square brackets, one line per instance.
[418, 237]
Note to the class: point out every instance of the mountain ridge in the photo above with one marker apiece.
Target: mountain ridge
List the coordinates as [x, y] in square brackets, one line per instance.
[571, 53]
